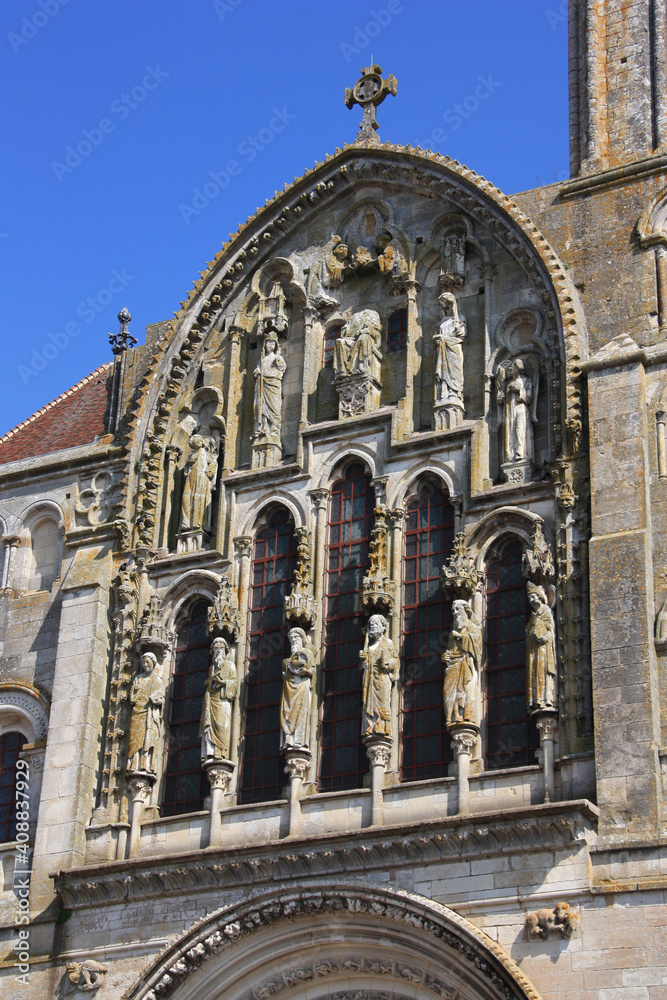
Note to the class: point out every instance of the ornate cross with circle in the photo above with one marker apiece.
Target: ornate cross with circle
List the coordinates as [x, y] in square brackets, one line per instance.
[369, 91]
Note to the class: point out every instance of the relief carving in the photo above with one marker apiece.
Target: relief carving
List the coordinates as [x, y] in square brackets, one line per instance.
[86, 976]
[220, 691]
[97, 503]
[223, 615]
[562, 920]
[452, 260]
[357, 361]
[460, 577]
[448, 344]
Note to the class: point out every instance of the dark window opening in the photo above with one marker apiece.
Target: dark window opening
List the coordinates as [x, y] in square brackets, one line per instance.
[428, 537]
[330, 338]
[397, 331]
[11, 745]
[351, 515]
[274, 558]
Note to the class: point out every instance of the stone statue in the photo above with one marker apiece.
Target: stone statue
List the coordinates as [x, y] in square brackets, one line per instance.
[562, 920]
[200, 473]
[331, 273]
[87, 975]
[462, 659]
[517, 400]
[298, 670]
[268, 393]
[379, 667]
[220, 691]
[146, 701]
[357, 350]
[448, 341]
[390, 259]
[540, 652]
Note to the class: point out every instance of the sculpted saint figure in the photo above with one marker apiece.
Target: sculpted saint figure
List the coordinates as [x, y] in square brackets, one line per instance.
[540, 651]
[379, 667]
[298, 670]
[448, 340]
[220, 690]
[200, 472]
[516, 397]
[462, 660]
[268, 392]
[331, 273]
[146, 700]
[357, 350]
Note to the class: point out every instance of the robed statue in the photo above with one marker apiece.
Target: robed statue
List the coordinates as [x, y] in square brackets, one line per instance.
[200, 473]
[295, 703]
[146, 700]
[448, 341]
[268, 398]
[357, 350]
[379, 667]
[540, 652]
[517, 402]
[220, 688]
[462, 660]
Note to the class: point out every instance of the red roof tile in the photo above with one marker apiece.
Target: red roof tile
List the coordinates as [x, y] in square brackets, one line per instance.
[74, 418]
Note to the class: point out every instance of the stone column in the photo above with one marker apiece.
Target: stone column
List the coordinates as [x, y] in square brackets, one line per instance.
[395, 517]
[140, 784]
[463, 736]
[320, 499]
[233, 390]
[412, 361]
[661, 280]
[378, 749]
[297, 762]
[313, 330]
[219, 773]
[547, 726]
[11, 543]
[174, 453]
[243, 551]
[660, 419]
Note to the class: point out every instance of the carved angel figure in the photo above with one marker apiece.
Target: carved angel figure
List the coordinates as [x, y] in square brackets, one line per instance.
[219, 694]
[390, 259]
[146, 700]
[298, 670]
[540, 651]
[448, 341]
[517, 400]
[379, 667]
[268, 392]
[200, 473]
[462, 660]
[357, 350]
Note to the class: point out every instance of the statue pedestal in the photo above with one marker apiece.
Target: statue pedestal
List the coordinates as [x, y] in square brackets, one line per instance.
[463, 736]
[300, 610]
[140, 786]
[297, 762]
[518, 472]
[190, 541]
[378, 749]
[546, 721]
[265, 454]
[219, 774]
[446, 416]
[377, 595]
[358, 393]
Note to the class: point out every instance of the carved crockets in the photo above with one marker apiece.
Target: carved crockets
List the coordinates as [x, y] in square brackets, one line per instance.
[146, 700]
[379, 667]
[357, 361]
[448, 343]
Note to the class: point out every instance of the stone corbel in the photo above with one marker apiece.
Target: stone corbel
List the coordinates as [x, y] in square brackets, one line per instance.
[460, 577]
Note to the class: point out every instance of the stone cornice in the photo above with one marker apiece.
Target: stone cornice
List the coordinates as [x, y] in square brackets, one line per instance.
[534, 828]
[614, 175]
[69, 460]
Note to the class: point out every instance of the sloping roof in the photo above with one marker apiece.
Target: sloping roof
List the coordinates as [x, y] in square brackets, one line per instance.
[76, 417]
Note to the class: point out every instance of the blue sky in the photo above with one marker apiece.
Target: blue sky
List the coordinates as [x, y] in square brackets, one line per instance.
[116, 114]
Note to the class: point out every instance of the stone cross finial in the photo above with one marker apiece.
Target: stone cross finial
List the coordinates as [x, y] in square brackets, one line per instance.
[369, 91]
[123, 339]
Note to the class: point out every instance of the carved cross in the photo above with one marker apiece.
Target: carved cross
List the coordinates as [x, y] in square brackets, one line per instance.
[369, 91]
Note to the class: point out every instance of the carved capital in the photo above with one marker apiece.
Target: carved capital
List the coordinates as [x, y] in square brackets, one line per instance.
[547, 725]
[12, 541]
[378, 749]
[219, 773]
[395, 516]
[460, 577]
[140, 784]
[380, 486]
[297, 762]
[243, 546]
[463, 737]
[320, 498]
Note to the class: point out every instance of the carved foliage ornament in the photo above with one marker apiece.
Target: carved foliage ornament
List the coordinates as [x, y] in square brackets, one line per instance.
[460, 577]
[223, 616]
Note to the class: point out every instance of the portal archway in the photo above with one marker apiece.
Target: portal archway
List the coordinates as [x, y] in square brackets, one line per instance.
[351, 941]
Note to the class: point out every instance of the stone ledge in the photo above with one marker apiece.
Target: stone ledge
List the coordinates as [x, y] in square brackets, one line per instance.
[550, 826]
[614, 175]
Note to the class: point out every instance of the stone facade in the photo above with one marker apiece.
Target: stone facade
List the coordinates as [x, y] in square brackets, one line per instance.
[391, 336]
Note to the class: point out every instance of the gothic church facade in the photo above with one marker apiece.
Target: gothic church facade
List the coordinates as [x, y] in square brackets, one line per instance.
[334, 617]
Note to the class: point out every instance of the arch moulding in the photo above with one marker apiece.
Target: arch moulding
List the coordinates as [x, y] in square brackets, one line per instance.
[349, 940]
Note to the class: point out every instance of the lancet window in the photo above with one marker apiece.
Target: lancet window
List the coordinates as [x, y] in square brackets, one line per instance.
[511, 737]
[274, 559]
[397, 331]
[185, 784]
[10, 747]
[328, 342]
[351, 515]
[428, 535]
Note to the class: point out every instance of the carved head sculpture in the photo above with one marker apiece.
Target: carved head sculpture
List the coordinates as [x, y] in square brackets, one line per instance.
[377, 626]
[271, 346]
[297, 639]
[461, 614]
[196, 442]
[149, 663]
[383, 240]
[448, 304]
[219, 649]
[536, 596]
[518, 369]
[341, 251]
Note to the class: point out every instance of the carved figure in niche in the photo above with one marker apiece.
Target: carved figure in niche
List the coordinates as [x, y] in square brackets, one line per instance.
[200, 473]
[452, 260]
[517, 400]
[87, 975]
[448, 340]
[357, 350]
[462, 659]
[561, 920]
[298, 670]
[146, 700]
[390, 259]
[331, 273]
[540, 651]
[219, 694]
[268, 392]
[379, 667]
